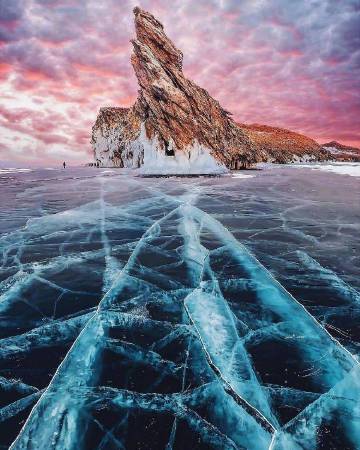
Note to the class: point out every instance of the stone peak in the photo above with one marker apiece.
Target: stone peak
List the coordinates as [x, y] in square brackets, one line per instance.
[150, 37]
[178, 118]
[142, 14]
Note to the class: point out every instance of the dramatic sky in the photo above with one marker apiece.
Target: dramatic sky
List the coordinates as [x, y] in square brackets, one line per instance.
[288, 63]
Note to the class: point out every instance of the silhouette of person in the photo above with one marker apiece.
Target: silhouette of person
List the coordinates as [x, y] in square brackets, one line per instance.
[64, 164]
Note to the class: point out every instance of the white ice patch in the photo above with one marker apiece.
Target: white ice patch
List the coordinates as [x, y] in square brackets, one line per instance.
[193, 160]
[352, 169]
[241, 175]
[14, 170]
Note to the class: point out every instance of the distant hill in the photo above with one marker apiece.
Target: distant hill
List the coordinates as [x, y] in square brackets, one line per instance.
[283, 146]
[342, 152]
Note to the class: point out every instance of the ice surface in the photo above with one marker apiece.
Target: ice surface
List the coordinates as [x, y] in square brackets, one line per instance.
[132, 316]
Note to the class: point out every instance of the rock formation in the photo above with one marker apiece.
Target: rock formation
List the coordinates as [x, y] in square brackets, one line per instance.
[177, 127]
[283, 146]
[342, 152]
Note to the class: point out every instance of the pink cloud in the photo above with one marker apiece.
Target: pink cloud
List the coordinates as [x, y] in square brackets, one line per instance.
[265, 62]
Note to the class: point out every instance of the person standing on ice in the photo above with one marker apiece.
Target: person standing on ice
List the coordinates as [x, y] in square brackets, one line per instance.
[64, 165]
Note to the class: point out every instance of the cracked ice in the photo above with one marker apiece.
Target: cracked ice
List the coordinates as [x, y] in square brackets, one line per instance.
[143, 314]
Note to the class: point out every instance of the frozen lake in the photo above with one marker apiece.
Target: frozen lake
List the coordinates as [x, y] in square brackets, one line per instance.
[180, 313]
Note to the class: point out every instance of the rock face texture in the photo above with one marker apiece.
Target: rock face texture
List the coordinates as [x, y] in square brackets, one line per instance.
[115, 138]
[283, 146]
[342, 152]
[177, 127]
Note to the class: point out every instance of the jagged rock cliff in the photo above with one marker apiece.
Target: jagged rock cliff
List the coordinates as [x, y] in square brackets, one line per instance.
[175, 126]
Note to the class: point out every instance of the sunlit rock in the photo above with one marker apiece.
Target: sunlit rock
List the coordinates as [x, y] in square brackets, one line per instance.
[175, 126]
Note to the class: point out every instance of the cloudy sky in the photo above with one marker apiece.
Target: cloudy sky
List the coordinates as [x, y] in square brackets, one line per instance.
[288, 63]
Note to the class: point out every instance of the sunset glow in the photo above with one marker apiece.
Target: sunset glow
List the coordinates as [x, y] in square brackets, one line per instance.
[288, 64]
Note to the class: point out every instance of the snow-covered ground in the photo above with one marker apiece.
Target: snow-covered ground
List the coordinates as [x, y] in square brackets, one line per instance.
[241, 174]
[14, 170]
[351, 168]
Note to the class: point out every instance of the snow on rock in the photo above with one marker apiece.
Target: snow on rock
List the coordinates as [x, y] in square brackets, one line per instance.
[342, 152]
[115, 138]
[195, 159]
